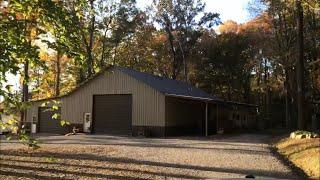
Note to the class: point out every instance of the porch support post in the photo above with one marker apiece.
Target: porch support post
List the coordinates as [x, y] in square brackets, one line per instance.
[217, 118]
[206, 115]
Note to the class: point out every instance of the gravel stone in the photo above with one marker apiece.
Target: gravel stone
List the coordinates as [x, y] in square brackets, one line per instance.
[116, 157]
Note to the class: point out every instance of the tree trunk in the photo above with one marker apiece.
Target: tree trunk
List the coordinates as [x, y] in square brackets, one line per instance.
[81, 75]
[288, 100]
[266, 93]
[300, 68]
[114, 55]
[91, 39]
[25, 92]
[102, 61]
[173, 51]
[185, 68]
[229, 90]
[247, 88]
[57, 75]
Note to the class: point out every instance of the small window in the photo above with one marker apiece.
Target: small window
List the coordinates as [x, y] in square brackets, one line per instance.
[87, 117]
[34, 119]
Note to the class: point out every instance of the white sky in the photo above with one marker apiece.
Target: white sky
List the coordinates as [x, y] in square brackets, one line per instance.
[235, 10]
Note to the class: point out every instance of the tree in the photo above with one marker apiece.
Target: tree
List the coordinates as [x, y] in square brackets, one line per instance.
[300, 68]
[225, 67]
[96, 28]
[21, 23]
[178, 18]
[283, 16]
[146, 51]
[284, 37]
[229, 27]
[54, 43]
[118, 24]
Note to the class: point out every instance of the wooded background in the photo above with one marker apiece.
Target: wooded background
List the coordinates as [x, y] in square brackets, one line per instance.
[272, 60]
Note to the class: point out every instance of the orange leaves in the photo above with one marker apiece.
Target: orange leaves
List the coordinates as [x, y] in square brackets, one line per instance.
[160, 38]
[229, 27]
[260, 24]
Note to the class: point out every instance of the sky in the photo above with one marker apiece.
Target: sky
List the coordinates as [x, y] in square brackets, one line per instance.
[235, 10]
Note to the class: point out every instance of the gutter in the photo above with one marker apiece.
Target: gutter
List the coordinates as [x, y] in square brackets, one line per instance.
[189, 97]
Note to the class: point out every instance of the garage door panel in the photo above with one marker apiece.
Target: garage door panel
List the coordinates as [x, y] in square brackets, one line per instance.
[113, 114]
[47, 124]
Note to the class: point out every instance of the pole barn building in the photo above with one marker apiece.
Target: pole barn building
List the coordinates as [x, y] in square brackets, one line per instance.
[123, 101]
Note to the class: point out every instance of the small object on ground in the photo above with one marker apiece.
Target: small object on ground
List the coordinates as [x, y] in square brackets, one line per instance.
[74, 131]
[69, 134]
[250, 176]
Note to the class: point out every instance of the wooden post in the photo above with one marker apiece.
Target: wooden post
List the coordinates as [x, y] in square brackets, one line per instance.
[217, 118]
[206, 118]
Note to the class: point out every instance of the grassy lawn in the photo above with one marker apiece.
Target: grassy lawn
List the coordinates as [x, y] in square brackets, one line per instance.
[304, 153]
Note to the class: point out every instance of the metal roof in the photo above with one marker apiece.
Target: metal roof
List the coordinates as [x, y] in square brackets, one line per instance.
[168, 86]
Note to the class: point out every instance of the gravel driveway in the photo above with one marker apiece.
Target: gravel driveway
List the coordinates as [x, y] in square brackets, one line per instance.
[114, 157]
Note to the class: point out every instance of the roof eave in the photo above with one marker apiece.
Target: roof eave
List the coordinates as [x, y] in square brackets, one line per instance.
[189, 97]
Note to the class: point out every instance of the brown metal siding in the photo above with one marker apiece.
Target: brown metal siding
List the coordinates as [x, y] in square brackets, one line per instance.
[148, 105]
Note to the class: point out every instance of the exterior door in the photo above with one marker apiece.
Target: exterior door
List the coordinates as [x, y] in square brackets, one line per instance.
[112, 114]
[49, 125]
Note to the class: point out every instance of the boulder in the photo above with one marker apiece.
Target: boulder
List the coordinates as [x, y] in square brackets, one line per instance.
[303, 134]
[293, 135]
[300, 136]
[309, 136]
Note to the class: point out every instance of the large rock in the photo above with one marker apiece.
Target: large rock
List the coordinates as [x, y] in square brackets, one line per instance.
[293, 135]
[315, 135]
[302, 135]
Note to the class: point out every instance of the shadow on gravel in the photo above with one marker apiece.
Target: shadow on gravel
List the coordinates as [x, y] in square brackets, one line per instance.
[125, 161]
[249, 138]
[25, 175]
[55, 171]
[233, 147]
[171, 175]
